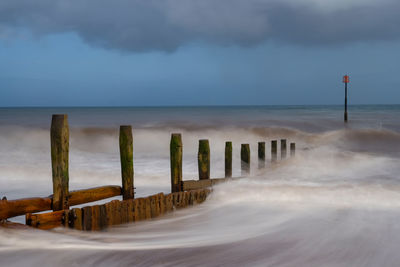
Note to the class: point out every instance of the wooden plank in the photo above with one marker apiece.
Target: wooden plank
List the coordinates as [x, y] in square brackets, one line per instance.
[200, 196]
[131, 210]
[45, 221]
[161, 202]
[12, 208]
[220, 180]
[181, 199]
[117, 216]
[155, 206]
[65, 218]
[137, 212]
[96, 218]
[124, 212]
[185, 199]
[203, 195]
[175, 199]
[196, 197]
[110, 213]
[126, 155]
[75, 219]
[87, 218]
[103, 217]
[193, 184]
[142, 209]
[59, 133]
[93, 194]
[191, 198]
[147, 208]
[169, 205]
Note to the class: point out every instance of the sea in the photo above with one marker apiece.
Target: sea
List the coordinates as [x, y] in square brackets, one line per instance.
[335, 203]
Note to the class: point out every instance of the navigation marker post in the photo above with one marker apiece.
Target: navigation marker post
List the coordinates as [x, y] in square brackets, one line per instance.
[346, 80]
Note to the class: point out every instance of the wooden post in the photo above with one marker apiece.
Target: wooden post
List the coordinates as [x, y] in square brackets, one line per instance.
[245, 159]
[176, 162]
[274, 151]
[261, 155]
[292, 149]
[283, 148]
[228, 159]
[96, 218]
[203, 158]
[126, 154]
[59, 134]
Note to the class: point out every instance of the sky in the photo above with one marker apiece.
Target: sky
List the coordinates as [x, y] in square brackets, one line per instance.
[198, 52]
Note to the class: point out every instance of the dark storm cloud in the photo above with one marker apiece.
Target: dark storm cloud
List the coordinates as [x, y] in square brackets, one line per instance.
[145, 25]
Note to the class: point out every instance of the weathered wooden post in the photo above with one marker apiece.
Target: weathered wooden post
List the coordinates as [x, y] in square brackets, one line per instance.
[283, 148]
[245, 159]
[59, 135]
[228, 159]
[203, 158]
[176, 162]
[292, 149]
[261, 155]
[274, 151]
[126, 155]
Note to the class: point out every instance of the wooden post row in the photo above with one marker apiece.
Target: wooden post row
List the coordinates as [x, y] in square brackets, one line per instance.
[59, 135]
[203, 158]
[228, 159]
[176, 162]
[126, 154]
[245, 159]
[261, 155]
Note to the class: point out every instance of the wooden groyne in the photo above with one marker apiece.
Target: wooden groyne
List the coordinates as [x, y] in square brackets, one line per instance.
[129, 209]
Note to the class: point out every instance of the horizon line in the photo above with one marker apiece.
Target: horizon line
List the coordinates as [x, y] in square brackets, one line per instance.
[184, 106]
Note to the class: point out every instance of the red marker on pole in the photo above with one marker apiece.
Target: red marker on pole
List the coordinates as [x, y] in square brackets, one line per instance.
[346, 80]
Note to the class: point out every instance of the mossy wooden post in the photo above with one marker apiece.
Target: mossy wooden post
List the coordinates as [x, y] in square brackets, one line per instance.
[126, 154]
[261, 155]
[59, 134]
[228, 159]
[274, 150]
[283, 148]
[292, 149]
[245, 159]
[176, 162]
[203, 158]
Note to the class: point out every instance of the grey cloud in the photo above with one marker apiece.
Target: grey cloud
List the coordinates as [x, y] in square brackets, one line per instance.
[147, 25]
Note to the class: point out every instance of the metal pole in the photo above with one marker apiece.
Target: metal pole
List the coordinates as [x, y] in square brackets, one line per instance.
[345, 102]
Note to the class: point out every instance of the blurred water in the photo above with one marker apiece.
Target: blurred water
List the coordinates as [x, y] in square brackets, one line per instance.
[335, 204]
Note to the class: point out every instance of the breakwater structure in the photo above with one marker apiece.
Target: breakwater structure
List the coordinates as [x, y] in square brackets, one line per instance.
[130, 209]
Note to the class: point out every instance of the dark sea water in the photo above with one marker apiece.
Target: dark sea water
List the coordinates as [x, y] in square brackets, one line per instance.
[337, 203]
